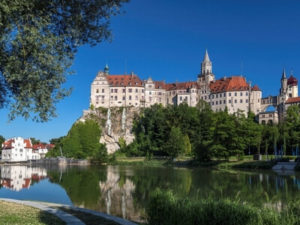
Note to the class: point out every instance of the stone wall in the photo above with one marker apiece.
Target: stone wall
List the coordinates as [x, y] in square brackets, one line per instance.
[115, 123]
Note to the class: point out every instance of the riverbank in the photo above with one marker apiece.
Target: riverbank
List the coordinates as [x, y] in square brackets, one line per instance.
[13, 213]
[43, 213]
[233, 163]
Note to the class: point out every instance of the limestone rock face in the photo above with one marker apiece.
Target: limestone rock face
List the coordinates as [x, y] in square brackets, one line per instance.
[115, 123]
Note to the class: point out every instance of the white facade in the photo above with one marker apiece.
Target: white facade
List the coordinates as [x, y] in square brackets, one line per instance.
[233, 93]
[17, 150]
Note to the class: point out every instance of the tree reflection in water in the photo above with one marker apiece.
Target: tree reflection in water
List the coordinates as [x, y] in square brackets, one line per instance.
[125, 190]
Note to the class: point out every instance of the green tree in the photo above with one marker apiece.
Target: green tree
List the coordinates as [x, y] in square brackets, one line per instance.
[82, 142]
[187, 145]
[2, 139]
[38, 42]
[175, 144]
[291, 128]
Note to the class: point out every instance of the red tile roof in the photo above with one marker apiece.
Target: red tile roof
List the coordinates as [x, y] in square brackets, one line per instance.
[292, 81]
[39, 146]
[124, 80]
[8, 144]
[160, 85]
[234, 83]
[293, 100]
[181, 85]
[27, 143]
[255, 88]
[50, 146]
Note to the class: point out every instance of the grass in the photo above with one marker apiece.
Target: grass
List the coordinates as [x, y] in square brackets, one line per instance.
[87, 218]
[12, 213]
[167, 209]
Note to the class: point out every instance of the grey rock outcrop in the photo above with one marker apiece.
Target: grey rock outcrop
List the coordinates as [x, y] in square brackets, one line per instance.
[120, 125]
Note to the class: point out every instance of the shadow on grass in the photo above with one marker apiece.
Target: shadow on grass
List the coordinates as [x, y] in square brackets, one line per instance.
[49, 219]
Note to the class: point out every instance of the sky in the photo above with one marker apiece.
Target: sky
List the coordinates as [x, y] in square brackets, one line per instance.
[167, 39]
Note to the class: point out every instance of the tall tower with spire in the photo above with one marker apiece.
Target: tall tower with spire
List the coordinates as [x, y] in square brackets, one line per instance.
[206, 65]
[206, 75]
[283, 89]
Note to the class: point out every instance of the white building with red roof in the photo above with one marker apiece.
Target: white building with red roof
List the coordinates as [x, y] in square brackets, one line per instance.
[233, 93]
[17, 149]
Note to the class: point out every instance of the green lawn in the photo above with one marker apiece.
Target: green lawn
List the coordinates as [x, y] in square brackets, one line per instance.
[17, 214]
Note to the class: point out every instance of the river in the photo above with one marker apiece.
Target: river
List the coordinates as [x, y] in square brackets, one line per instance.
[124, 191]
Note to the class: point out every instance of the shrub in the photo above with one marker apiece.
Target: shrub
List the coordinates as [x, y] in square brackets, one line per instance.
[165, 209]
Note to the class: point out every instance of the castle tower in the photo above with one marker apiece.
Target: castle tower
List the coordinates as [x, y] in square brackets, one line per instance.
[292, 86]
[106, 69]
[206, 65]
[283, 89]
[206, 76]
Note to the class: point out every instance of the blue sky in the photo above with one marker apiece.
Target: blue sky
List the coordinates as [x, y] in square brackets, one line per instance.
[166, 39]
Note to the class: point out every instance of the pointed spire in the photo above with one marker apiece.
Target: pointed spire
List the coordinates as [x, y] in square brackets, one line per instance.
[106, 69]
[206, 57]
[283, 74]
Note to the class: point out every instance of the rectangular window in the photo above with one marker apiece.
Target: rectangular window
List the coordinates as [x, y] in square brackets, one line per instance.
[246, 100]
[116, 90]
[216, 95]
[130, 90]
[123, 97]
[102, 90]
[235, 101]
[220, 102]
[216, 102]
[180, 98]
[241, 94]
[229, 101]
[247, 93]
[116, 98]
[224, 101]
[136, 90]
[229, 93]
[235, 94]
[224, 94]
[129, 97]
[97, 90]
[241, 100]
[136, 97]
[124, 90]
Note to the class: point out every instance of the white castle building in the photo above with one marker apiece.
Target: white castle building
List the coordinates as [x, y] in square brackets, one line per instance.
[233, 93]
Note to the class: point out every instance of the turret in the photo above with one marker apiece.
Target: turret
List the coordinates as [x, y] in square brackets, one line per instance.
[206, 65]
[106, 69]
[283, 89]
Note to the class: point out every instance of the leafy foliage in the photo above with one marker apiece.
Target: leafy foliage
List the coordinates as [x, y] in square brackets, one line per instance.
[2, 139]
[82, 142]
[38, 41]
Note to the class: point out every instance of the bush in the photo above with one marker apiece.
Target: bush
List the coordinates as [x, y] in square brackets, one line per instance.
[165, 209]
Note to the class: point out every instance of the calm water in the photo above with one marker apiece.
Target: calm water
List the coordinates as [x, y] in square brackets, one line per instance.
[124, 190]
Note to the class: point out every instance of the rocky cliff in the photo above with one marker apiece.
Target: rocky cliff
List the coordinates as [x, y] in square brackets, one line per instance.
[115, 123]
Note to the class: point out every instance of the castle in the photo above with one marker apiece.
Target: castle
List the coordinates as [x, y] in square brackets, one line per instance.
[233, 93]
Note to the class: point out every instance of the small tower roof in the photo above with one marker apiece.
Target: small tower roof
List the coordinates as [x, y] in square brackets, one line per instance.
[283, 74]
[206, 57]
[106, 69]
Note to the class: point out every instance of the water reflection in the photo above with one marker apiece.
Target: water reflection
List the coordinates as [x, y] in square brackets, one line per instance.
[124, 191]
[18, 177]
